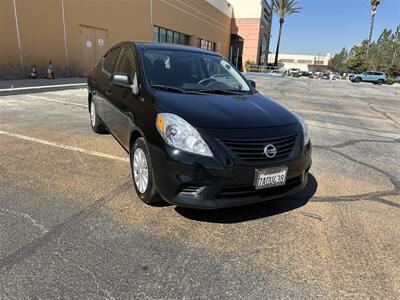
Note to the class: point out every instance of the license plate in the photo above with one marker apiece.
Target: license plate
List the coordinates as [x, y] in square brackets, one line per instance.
[270, 177]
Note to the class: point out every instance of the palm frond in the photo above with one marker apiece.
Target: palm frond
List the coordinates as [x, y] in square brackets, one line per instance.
[283, 8]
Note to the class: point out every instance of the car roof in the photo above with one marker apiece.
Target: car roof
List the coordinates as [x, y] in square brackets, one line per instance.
[141, 45]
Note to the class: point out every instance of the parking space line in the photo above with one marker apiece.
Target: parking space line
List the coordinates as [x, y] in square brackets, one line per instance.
[55, 100]
[62, 146]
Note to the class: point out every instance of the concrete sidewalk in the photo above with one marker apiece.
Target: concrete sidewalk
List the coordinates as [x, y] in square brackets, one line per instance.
[22, 86]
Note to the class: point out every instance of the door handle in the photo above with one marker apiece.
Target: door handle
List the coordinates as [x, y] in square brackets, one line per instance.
[108, 92]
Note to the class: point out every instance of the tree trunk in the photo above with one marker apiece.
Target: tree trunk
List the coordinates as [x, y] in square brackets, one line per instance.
[371, 29]
[279, 41]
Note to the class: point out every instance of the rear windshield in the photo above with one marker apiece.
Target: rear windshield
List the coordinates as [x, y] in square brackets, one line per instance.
[191, 71]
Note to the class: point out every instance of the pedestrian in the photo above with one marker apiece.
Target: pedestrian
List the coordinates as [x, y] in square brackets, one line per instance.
[50, 71]
[33, 74]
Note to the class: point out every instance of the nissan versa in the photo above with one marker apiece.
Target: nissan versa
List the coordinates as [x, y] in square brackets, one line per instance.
[198, 133]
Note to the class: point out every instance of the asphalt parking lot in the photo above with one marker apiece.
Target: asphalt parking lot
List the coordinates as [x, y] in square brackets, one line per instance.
[72, 226]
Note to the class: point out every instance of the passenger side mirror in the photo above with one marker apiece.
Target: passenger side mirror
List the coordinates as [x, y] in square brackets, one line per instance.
[120, 79]
[253, 83]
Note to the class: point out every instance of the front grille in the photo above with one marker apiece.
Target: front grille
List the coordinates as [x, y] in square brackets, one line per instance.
[252, 150]
[251, 192]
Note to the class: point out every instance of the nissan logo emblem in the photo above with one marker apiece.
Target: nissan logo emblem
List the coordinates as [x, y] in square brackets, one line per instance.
[270, 151]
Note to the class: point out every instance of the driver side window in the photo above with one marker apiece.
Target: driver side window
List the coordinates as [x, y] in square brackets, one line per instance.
[110, 59]
[127, 63]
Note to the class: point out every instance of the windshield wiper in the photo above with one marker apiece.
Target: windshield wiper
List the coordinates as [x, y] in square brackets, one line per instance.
[220, 91]
[175, 89]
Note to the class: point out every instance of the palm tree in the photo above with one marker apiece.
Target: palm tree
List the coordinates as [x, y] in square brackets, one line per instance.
[283, 8]
[374, 5]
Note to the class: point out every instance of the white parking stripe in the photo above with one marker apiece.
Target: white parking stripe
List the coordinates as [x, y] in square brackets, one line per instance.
[55, 100]
[62, 146]
[43, 87]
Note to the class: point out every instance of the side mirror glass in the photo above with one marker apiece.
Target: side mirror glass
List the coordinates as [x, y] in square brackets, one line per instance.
[253, 83]
[120, 79]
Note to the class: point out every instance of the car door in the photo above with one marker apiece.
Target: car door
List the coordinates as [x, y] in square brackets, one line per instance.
[102, 82]
[370, 76]
[123, 99]
[377, 76]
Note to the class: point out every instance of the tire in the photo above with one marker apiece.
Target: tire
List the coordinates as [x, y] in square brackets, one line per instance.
[95, 121]
[146, 191]
[380, 82]
[357, 80]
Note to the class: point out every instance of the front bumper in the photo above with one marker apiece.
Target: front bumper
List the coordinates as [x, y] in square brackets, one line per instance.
[201, 182]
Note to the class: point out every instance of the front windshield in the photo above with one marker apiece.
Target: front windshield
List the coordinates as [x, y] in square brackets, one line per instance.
[193, 71]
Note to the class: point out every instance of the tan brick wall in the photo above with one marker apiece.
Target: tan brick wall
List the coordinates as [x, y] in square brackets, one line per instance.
[42, 35]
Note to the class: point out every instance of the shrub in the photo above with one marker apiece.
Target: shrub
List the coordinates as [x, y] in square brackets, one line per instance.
[249, 63]
[390, 81]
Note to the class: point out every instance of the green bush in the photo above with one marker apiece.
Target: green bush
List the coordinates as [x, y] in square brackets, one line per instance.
[249, 62]
[390, 81]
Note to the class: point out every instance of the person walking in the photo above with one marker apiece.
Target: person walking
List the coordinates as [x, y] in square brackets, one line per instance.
[50, 71]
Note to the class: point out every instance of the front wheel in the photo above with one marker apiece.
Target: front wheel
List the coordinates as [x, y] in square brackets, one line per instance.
[357, 80]
[142, 173]
[380, 82]
[95, 121]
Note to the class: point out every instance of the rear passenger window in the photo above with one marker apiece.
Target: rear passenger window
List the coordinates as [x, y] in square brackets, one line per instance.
[127, 63]
[110, 59]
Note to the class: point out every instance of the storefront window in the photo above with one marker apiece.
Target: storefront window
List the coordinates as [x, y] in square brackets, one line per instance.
[176, 37]
[170, 36]
[204, 44]
[155, 34]
[162, 35]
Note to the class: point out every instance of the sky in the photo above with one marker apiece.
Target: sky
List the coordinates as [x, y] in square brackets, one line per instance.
[329, 25]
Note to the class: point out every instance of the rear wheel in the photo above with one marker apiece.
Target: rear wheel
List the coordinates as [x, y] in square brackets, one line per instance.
[380, 82]
[142, 173]
[95, 121]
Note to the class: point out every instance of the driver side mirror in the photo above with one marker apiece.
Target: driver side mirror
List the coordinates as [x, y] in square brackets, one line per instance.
[253, 83]
[122, 79]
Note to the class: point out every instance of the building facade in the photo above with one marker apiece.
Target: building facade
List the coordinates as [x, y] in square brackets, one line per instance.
[251, 31]
[75, 34]
[307, 63]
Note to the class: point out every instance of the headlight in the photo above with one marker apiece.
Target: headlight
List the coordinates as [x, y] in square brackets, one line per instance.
[181, 135]
[306, 133]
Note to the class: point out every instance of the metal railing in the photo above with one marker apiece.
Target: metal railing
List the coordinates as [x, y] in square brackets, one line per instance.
[261, 69]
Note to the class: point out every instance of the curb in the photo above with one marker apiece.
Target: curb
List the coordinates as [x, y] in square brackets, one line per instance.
[262, 74]
[40, 89]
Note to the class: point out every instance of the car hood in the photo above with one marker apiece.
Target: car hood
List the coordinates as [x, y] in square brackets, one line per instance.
[225, 111]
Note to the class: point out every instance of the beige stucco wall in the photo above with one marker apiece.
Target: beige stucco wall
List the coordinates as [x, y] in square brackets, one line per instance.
[198, 19]
[42, 33]
[40, 41]
[246, 8]
[299, 61]
[9, 58]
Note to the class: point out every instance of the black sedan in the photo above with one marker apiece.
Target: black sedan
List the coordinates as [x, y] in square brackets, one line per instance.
[198, 133]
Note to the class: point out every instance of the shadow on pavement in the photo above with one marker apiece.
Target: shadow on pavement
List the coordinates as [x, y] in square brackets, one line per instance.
[253, 211]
